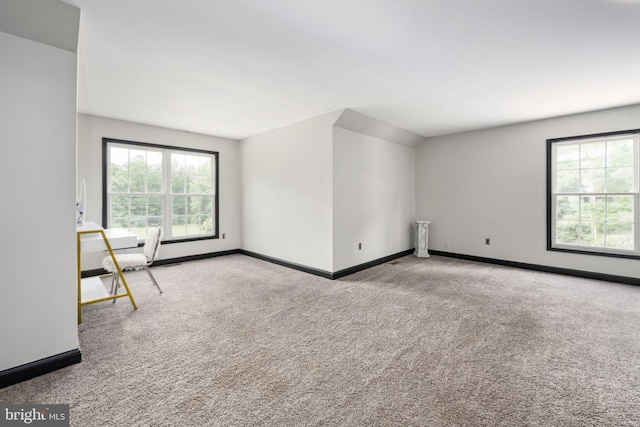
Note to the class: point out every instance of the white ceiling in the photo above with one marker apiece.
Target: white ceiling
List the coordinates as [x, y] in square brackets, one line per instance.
[237, 68]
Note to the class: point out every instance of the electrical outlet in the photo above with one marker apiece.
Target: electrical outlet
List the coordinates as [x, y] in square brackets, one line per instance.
[359, 246]
[446, 244]
[224, 236]
[487, 241]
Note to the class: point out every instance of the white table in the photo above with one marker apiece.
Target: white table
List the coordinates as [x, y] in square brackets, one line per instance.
[93, 238]
[118, 238]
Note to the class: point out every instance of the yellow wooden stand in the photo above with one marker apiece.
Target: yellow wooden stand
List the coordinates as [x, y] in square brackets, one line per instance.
[115, 261]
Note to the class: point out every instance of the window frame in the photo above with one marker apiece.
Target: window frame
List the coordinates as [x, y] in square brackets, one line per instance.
[551, 208]
[167, 191]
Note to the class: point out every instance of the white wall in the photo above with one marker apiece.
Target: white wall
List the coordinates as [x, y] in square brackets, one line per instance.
[287, 193]
[492, 183]
[38, 289]
[92, 129]
[373, 198]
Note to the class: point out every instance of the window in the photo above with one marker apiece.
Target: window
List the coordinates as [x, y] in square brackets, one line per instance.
[593, 194]
[147, 184]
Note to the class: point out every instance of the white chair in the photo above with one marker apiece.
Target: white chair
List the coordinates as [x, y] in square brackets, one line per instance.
[135, 261]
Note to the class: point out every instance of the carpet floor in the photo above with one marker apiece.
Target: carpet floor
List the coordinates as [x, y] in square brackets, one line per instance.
[236, 341]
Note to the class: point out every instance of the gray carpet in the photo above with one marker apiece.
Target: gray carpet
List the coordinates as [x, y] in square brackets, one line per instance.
[236, 341]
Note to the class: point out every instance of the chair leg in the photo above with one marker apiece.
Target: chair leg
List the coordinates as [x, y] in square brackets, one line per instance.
[153, 279]
[115, 284]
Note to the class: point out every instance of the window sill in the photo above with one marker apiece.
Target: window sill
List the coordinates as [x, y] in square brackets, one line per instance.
[573, 250]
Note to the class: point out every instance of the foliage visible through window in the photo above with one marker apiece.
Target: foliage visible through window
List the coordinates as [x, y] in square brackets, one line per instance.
[149, 185]
[594, 193]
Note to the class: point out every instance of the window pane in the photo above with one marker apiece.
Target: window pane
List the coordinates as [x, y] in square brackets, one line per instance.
[137, 160]
[592, 234]
[567, 157]
[620, 236]
[155, 206]
[620, 209]
[620, 180]
[177, 163]
[119, 169]
[592, 180]
[192, 163]
[177, 184]
[620, 153]
[567, 232]
[139, 227]
[139, 206]
[192, 184]
[179, 205]
[119, 179]
[592, 208]
[119, 207]
[195, 205]
[592, 155]
[193, 227]
[119, 157]
[154, 220]
[137, 171]
[154, 183]
[120, 223]
[207, 225]
[177, 173]
[207, 205]
[568, 207]
[179, 228]
[154, 162]
[205, 184]
[137, 183]
[205, 166]
[568, 181]
[199, 224]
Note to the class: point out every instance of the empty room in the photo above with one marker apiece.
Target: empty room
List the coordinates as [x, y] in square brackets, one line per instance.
[336, 213]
